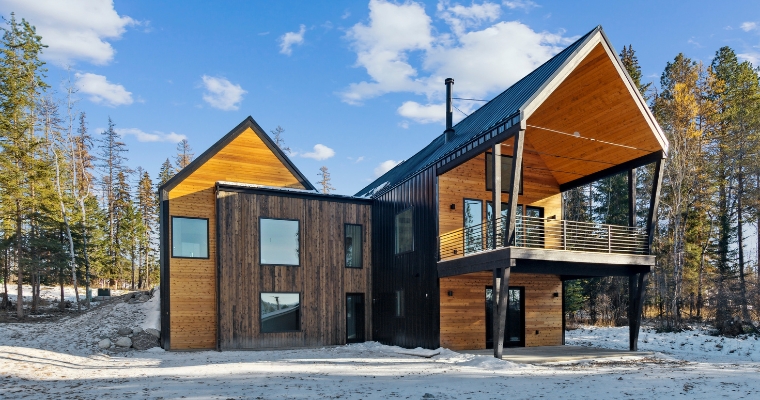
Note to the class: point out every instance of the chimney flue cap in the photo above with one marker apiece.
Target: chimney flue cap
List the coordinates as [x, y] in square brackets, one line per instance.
[449, 80]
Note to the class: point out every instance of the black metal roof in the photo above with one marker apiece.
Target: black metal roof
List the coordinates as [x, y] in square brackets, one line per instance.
[502, 107]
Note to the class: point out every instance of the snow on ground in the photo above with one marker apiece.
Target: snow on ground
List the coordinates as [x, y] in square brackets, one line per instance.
[60, 360]
[52, 294]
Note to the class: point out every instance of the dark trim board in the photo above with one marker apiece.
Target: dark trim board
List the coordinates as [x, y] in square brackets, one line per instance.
[229, 187]
[465, 155]
[249, 122]
[616, 169]
[164, 268]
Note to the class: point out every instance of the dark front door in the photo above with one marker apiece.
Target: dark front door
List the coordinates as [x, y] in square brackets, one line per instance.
[515, 326]
[354, 317]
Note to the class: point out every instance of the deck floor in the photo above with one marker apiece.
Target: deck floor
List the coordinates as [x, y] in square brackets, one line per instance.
[549, 354]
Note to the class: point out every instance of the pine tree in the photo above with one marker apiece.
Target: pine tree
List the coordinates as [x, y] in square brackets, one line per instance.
[325, 180]
[124, 224]
[112, 161]
[146, 205]
[184, 154]
[21, 74]
[82, 160]
[278, 140]
[165, 173]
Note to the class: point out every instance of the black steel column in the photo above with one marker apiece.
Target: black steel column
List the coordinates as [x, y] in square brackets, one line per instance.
[498, 339]
[654, 201]
[633, 302]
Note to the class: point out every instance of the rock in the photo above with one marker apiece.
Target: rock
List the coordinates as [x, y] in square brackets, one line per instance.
[136, 330]
[124, 342]
[144, 341]
[104, 344]
[428, 396]
[124, 331]
[144, 298]
[154, 332]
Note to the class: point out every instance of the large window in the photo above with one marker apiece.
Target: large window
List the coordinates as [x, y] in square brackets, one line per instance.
[280, 242]
[404, 231]
[506, 173]
[473, 218]
[353, 243]
[280, 312]
[189, 237]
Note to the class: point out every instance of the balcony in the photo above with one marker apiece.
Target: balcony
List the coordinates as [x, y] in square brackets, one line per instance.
[545, 233]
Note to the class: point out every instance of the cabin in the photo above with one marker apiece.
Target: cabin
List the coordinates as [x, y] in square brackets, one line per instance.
[463, 245]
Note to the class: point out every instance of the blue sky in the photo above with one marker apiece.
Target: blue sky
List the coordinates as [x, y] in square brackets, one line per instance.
[357, 85]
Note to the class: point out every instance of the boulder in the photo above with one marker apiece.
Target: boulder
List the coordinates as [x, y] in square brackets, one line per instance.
[104, 344]
[124, 331]
[144, 298]
[136, 330]
[144, 341]
[154, 332]
[124, 342]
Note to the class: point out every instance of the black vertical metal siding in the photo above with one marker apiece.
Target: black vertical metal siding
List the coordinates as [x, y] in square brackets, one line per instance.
[414, 272]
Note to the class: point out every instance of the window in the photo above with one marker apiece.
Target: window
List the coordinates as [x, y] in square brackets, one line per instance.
[506, 173]
[279, 242]
[353, 243]
[404, 231]
[399, 306]
[473, 232]
[189, 237]
[280, 312]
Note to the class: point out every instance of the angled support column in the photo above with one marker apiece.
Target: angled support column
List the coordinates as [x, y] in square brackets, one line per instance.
[632, 197]
[496, 195]
[498, 338]
[514, 186]
[635, 324]
[654, 201]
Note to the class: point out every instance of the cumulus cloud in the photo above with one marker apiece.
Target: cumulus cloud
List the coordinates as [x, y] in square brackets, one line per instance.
[221, 93]
[385, 166]
[73, 29]
[321, 152]
[749, 26]
[152, 137]
[101, 91]
[290, 39]
[484, 55]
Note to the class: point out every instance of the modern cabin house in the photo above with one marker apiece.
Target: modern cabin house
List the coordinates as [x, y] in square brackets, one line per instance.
[463, 245]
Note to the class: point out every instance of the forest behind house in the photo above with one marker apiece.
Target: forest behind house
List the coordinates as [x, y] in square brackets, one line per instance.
[74, 212]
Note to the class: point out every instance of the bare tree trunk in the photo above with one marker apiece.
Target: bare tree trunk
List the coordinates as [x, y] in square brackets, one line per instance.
[20, 274]
[740, 233]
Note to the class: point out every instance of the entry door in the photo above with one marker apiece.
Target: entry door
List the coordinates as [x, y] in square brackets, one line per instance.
[515, 326]
[355, 318]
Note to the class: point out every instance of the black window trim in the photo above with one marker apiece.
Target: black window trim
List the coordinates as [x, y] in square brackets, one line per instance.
[300, 238]
[300, 315]
[361, 244]
[208, 235]
[395, 231]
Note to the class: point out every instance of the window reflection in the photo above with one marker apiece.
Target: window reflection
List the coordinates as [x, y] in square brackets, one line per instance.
[279, 242]
[189, 237]
[280, 312]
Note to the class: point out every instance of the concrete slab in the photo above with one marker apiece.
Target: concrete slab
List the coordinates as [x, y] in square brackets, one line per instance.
[550, 354]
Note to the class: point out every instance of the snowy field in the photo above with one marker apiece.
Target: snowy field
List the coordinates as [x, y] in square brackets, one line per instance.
[62, 360]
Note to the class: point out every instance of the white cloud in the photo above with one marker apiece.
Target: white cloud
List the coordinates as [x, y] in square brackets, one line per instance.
[101, 91]
[221, 93]
[155, 136]
[525, 5]
[485, 56]
[753, 58]
[321, 152]
[290, 39]
[73, 29]
[749, 26]
[385, 166]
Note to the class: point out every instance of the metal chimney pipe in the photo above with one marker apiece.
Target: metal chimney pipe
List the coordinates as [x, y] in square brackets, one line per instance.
[449, 132]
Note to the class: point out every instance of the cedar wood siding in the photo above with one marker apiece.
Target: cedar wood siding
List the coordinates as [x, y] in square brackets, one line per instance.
[322, 278]
[414, 272]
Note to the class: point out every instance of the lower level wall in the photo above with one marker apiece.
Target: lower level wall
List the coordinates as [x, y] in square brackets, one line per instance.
[463, 314]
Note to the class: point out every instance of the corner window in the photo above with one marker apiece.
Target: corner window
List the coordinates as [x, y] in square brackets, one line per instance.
[189, 237]
[353, 243]
[280, 312]
[506, 173]
[280, 244]
[404, 231]
[399, 304]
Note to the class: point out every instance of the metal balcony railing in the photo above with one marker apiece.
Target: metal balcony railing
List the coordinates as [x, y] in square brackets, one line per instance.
[545, 233]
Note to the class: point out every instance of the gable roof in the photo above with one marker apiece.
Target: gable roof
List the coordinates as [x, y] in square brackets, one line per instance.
[248, 123]
[515, 103]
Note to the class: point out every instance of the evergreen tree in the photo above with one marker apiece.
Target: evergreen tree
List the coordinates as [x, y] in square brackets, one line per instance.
[165, 173]
[324, 181]
[278, 140]
[146, 205]
[112, 159]
[184, 154]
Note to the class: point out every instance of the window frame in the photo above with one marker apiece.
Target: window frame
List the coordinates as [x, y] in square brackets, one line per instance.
[299, 243]
[522, 174]
[300, 313]
[361, 245]
[208, 235]
[395, 231]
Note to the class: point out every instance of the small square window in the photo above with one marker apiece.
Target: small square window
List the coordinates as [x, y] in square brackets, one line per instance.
[189, 237]
[353, 243]
[280, 312]
[404, 231]
[280, 244]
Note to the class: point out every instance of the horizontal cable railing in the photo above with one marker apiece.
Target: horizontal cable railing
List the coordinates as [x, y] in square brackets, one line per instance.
[545, 233]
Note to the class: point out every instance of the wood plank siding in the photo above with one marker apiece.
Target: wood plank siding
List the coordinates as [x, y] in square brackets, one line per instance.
[463, 315]
[192, 282]
[321, 278]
